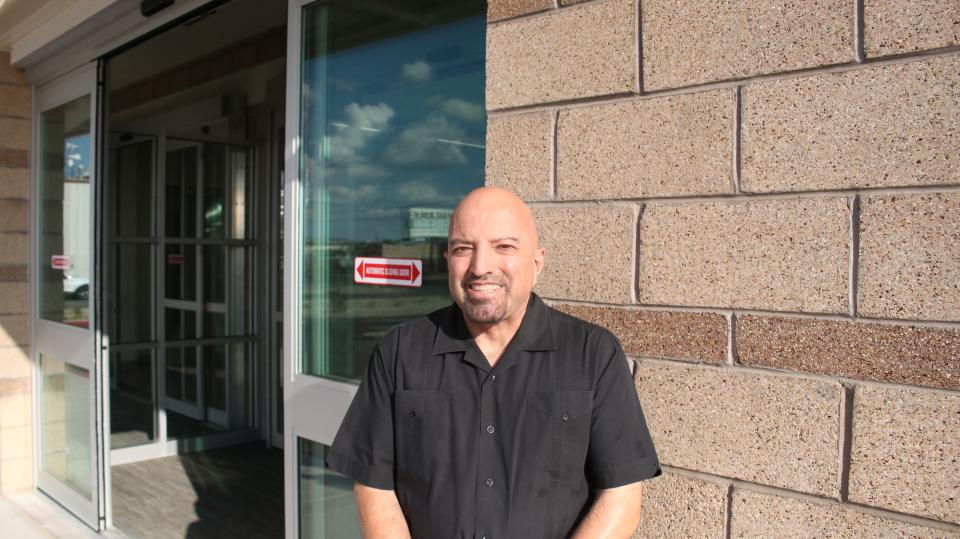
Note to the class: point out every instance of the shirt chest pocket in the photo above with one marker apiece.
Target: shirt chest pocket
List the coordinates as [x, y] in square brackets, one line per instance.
[556, 430]
[422, 432]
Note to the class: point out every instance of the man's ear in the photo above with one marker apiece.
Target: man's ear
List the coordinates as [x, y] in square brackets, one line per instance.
[539, 255]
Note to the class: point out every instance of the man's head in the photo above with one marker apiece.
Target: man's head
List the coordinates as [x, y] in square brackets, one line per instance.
[493, 256]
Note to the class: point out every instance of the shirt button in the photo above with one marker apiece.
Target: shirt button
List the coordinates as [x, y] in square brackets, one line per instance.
[488, 482]
[493, 377]
[490, 429]
[413, 414]
[564, 416]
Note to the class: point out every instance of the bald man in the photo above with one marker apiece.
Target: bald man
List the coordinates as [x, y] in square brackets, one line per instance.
[497, 416]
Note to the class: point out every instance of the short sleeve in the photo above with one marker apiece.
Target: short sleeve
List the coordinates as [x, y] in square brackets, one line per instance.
[363, 447]
[621, 450]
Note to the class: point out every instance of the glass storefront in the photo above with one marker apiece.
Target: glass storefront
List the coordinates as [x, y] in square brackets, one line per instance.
[393, 130]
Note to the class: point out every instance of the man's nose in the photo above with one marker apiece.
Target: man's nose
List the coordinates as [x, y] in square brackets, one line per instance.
[481, 263]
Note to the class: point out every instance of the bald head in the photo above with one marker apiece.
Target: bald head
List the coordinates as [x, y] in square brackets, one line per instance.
[493, 257]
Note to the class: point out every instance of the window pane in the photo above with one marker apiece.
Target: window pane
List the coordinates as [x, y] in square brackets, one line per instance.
[65, 213]
[132, 313]
[132, 417]
[393, 136]
[181, 272]
[327, 508]
[133, 190]
[65, 420]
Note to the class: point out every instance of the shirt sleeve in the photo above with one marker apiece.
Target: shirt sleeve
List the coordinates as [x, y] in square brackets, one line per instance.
[621, 450]
[363, 447]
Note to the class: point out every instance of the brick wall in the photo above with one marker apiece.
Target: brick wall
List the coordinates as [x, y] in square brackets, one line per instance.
[761, 198]
[15, 433]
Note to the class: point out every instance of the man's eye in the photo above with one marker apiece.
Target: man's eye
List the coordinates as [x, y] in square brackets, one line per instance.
[507, 247]
[461, 250]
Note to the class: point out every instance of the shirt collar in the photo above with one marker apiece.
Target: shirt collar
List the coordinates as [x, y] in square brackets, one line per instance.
[535, 332]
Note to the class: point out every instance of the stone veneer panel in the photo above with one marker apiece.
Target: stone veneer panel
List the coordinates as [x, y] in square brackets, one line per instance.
[14, 133]
[898, 354]
[680, 506]
[905, 450]
[520, 154]
[14, 330]
[8, 73]
[688, 42]
[14, 182]
[669, 146]
[910, 256]
[14, 247]
[14, 215]
[661, 334]
[15, 101]
[582, 51]
[775, 430]
[14, 298]
[589, 252]
[875, 127]
[14, 364]
[787, 255]
[765, 515]
[506, 9]
[901, 26]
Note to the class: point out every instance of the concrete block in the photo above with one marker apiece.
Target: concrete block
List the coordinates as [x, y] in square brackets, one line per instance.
[14, 215]
[14, 410]
[14, 182]
[14, 330]
[506, 9]
[14, 101]
[876, 127]
[16, 475]
[8, 73]
[680, 506]
[589, 253]
[14, 158]
[764, 515]
[14, 247]
[582, 51]
[902, 26]
[15, 443]
[905, 450]
[688, 42]
[16, 273]
[14, 298]
[910, 256]
[660, 334]
[520, 154]
[899, 354]
[786, 255]
[774, 430]
[669, 146]
[14, 133]
[15, 364]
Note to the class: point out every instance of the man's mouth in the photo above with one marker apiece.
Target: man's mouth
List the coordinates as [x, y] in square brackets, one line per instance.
[483, 287]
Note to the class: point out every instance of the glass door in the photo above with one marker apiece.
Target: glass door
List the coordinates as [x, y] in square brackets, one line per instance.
[70, 451]
[386, 130]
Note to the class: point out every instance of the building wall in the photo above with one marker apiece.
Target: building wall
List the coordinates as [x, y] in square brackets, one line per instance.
[15, 433]
[761, 198]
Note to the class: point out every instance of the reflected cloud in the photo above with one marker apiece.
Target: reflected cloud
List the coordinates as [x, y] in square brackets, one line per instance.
[417, 71]
[418, 144]
[461, 109]
[363, 122]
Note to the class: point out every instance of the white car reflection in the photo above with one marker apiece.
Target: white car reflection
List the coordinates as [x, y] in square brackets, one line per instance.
[76, 287]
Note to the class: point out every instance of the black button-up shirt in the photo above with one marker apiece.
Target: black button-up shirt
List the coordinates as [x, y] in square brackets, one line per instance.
[514, 450]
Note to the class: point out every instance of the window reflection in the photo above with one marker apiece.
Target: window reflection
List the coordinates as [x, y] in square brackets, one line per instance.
[393, 131]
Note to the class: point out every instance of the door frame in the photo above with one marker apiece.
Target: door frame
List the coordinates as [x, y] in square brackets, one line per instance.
[73, 345]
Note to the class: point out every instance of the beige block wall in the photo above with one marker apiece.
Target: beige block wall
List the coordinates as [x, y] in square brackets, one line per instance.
[15, 366]
[768, 223]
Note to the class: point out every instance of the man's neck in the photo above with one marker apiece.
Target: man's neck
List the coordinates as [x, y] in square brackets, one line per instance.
[492, 339]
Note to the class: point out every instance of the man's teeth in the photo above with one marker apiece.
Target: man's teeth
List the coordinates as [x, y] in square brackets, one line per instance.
[483, 287]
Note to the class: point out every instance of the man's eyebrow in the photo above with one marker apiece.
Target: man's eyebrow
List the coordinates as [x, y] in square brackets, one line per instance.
[505, 238]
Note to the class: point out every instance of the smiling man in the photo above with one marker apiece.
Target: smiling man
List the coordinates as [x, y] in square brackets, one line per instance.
[497, 416]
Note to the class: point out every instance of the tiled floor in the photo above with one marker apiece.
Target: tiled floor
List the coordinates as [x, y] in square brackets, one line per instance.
[235, 492]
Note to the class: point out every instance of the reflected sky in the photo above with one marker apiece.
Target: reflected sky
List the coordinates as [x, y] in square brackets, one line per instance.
[391, 123]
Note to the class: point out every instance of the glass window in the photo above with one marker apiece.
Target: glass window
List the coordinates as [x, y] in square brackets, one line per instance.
[132, 186]
[65, 424]
[132, 417]
[65, 225]
[393, 130]
[132, 314]
[326, 501]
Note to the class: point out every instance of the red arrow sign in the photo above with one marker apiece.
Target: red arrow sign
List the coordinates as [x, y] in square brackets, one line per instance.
[388, 271]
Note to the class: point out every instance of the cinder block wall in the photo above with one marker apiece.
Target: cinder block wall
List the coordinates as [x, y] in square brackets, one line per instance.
[761, 198]
[15, 434]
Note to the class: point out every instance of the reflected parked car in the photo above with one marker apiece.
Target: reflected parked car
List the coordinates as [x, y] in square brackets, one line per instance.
[76, 287]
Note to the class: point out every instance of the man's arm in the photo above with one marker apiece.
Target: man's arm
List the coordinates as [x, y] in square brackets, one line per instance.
[379, 513]
[614, 514]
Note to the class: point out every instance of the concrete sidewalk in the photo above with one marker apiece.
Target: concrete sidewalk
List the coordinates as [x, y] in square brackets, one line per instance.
[30, 515]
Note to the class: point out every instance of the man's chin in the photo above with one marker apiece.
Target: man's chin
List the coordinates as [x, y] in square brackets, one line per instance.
[483, 314]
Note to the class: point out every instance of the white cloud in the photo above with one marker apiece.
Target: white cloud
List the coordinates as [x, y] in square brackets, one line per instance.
[462, 109]
[418, 143]
[363, 122]
[417, 71]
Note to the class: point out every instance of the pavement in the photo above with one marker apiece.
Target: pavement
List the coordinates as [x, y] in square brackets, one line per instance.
[31, 515]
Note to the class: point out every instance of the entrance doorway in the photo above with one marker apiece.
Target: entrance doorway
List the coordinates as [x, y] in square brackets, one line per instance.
[194, 131]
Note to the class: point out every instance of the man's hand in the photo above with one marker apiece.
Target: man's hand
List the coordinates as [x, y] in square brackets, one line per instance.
[615, 513]
[379, 513]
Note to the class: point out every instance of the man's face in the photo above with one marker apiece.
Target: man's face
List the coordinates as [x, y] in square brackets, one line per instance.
[492, 256]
